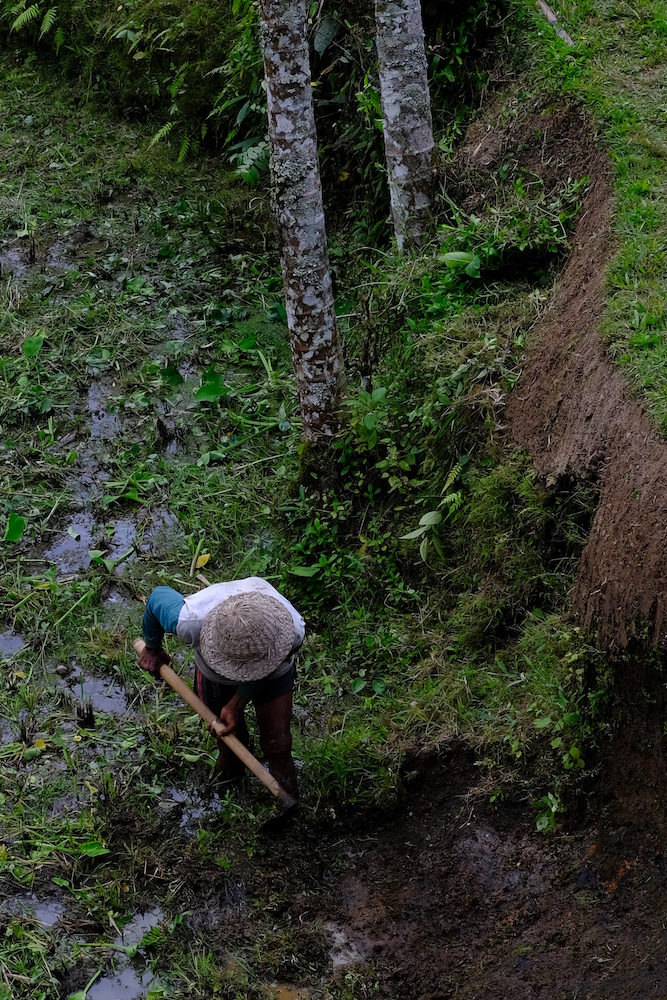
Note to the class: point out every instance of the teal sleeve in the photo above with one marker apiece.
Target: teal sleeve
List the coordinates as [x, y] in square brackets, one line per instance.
[161, 615]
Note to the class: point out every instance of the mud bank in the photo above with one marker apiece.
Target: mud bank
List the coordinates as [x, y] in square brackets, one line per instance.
[572, 411]
[455, 897]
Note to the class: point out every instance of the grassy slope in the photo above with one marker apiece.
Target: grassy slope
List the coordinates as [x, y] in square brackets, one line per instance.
[617, 68]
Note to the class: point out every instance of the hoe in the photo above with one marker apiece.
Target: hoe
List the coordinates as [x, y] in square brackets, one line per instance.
[180, 687]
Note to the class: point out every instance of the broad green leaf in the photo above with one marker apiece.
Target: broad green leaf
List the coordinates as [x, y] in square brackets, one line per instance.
[31, 753]
[15, 528]
[172, 376]
[472, 270]
[304, 570]
[32, 346]
[325, 34]
[543, 723]
[417, 533]
[358, 684]
[433, 517]
[93, 849]
[423, 548]
[379, 687]
[457, 258]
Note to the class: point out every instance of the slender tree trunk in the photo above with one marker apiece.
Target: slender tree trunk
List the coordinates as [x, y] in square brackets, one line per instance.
[406, 112]
[300, 215]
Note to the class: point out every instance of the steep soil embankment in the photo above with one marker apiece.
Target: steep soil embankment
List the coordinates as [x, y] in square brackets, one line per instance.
[571, 410]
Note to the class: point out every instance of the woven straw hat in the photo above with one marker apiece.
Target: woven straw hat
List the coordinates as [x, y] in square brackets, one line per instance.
[247, 636]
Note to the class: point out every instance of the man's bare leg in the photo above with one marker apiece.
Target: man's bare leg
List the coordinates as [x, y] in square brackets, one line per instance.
[276, 740]
[228, 766]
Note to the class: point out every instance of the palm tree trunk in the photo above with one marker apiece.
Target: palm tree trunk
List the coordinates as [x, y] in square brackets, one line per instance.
[299, 213]
[406, 112]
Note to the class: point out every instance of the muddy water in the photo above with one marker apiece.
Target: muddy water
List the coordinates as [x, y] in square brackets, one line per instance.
[47, 911]
[69, 553]
[10, 643]
[197, 809]
[13, 261]
[126, 984]
[103, 693]
[139, 926]
[104, 426]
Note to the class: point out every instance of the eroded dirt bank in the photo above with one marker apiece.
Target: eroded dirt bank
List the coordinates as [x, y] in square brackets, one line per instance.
[571, 410]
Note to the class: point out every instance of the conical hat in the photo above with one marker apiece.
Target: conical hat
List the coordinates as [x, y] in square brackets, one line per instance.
[247, 636]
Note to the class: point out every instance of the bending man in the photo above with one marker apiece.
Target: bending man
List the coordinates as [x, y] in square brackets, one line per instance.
[245, 636]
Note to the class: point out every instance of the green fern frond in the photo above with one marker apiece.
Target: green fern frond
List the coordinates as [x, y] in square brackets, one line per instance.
[59, 38]
[162, 133]
[48, 22]
[31, 14]
[252, 161]
[185, 148]
[452, 477]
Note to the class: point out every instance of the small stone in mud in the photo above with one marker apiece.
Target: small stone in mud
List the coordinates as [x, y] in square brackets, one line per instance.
[62, 670]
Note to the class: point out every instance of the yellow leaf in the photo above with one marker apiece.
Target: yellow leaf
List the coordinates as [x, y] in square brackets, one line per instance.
[343, 175]
[77, 738]
[40, 744]
[19, 673]
[3, 852]
[202, 560]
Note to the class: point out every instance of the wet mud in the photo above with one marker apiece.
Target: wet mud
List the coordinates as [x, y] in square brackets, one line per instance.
[118, 538]
[10, 643]
[454, 897]
[101, 694]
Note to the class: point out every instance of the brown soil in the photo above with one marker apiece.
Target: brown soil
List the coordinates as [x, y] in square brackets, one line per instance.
[572, 412]
[457, 898]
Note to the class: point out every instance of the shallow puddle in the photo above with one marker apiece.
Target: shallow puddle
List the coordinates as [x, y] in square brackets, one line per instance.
[10, 643]
[70, 552]
[133, 932]
[196, 809]
[284, 992]
[126, 984]
[343, 951]
[104, 426]
[103, 693]
[46, 911]
[13, 261]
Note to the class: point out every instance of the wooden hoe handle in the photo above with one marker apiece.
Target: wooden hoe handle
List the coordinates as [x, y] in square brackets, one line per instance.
[235, 745]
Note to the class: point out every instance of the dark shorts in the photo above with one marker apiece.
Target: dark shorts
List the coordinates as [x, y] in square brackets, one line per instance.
[215, 695]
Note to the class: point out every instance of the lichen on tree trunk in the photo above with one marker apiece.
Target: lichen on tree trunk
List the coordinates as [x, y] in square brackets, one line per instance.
[406, 113]
[299, 213]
